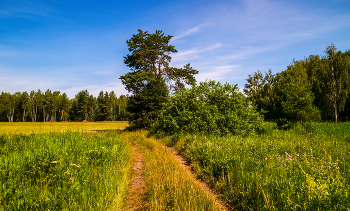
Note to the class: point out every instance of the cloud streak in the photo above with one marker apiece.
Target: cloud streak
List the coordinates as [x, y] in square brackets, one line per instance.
[188, 32]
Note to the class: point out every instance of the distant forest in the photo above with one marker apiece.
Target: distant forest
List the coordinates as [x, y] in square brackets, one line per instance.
[314, 89]
[55, 106]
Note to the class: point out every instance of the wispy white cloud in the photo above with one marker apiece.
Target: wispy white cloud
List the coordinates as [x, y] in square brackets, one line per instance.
[188, 32]
[217, 73]
[28, 10]
[183, 56]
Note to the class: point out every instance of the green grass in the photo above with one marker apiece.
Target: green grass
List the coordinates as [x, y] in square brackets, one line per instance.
[307, 168]
[63, 171]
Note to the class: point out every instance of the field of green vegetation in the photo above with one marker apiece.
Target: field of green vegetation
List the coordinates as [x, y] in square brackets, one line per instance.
[63, 171]
[306, 168]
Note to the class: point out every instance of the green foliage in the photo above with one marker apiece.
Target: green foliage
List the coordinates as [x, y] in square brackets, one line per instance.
[144, 106]
[80, 108]
[66, 171]
[330, 78]
[305, 168]
[104, 112]
[260, 91]
[293, 101]
[209, 108]
[313, 87]
[150, 58]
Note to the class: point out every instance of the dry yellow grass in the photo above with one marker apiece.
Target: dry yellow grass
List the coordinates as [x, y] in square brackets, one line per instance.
[42, 127]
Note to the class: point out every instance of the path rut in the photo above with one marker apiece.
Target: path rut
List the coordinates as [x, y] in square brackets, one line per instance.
[137, 192]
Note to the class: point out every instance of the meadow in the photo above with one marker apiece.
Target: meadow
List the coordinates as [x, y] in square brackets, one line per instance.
[48, 166]
[63, 171]
[44, 127]
[306, 168]
[53, 168]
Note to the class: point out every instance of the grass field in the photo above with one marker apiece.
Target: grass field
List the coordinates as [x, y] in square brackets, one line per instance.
[46, 166]
[63, 171]
[43, 127]
[307, 168]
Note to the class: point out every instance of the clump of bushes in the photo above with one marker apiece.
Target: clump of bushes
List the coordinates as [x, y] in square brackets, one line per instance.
[208, 108]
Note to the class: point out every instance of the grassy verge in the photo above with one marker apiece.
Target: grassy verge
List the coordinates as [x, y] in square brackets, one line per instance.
[307, 168]
[63, 171]
[169, 186]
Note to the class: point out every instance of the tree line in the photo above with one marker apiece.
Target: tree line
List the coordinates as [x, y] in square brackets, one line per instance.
[48, 106]
[313, 89]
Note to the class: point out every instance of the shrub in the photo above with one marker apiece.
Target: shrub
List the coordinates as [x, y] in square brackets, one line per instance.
[208, 108]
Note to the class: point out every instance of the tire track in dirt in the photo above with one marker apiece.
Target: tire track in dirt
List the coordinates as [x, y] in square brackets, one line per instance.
[204, 187]
[136, 200]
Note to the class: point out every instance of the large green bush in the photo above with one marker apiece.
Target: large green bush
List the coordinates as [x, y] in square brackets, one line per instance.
[208, 108]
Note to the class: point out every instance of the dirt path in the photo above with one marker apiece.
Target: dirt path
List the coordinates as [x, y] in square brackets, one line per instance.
[188, 168]
[137, 191]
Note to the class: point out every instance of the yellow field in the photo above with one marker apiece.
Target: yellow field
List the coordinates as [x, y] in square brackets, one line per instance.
[42, 127]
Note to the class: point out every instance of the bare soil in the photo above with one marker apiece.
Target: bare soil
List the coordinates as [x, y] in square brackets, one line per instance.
[186, 165]
[137, 191]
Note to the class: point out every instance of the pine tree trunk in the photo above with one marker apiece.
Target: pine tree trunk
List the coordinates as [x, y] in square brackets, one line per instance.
[33, 116]
[24, 113]
[36, 113]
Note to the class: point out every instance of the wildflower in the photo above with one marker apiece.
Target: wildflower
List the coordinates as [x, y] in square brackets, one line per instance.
[337, 168]
[287, 153]
[298, 155]
[329, 162]
[265, 158]
[249, 157]
[305, 155]
[54, 162]
[313, 157]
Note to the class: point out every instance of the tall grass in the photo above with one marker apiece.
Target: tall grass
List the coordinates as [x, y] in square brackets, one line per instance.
[63, 171]
[307, 168]
[169, 186]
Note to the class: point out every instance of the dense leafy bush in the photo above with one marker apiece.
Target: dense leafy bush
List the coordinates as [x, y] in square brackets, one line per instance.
[209, 108]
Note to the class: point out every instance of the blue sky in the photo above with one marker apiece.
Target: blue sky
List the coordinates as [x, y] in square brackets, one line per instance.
[70, 46]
